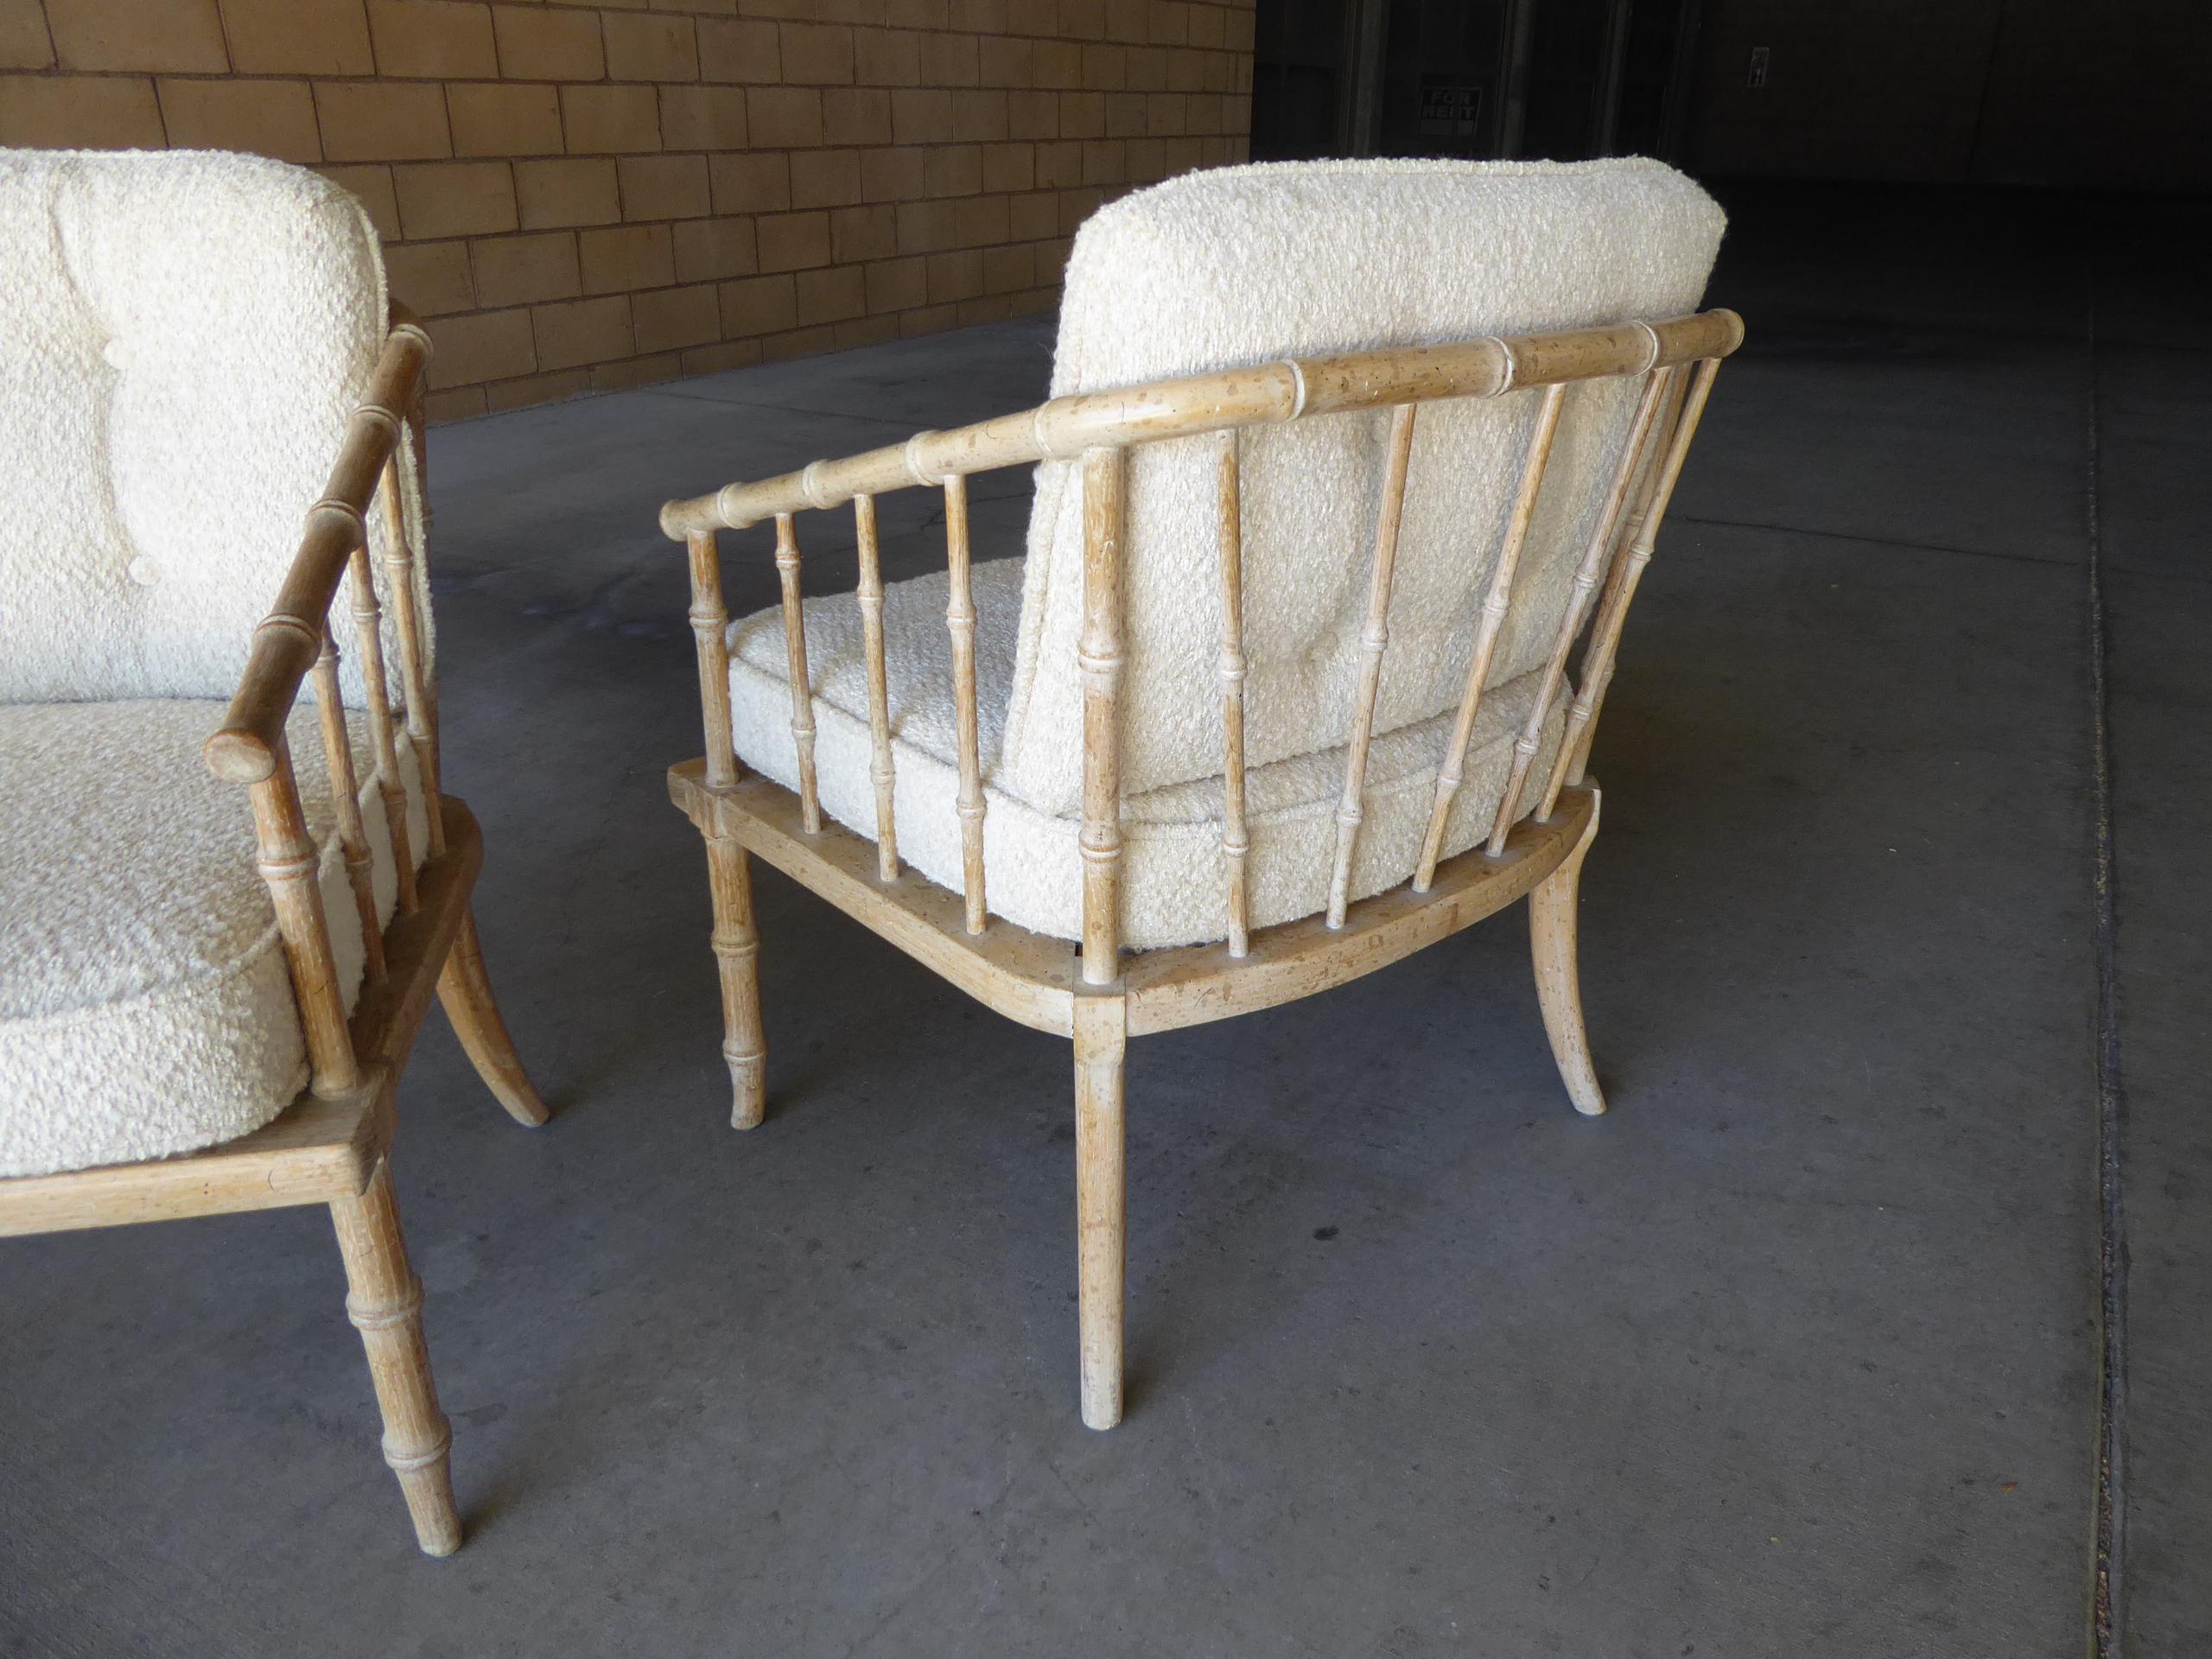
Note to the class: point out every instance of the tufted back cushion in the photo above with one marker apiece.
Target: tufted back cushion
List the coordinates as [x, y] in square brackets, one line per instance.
[1249, 265]
[185, 334]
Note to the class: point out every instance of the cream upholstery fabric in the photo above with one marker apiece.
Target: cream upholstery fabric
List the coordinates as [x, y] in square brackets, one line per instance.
[182, 336]
[185, 334]
[144, 1005]
[1213, 270]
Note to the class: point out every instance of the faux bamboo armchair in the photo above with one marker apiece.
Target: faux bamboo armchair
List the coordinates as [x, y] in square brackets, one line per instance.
[205, 1009]
[1224, 663]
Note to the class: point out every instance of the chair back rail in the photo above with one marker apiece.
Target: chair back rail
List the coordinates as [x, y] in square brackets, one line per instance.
[293, 644]
[1099, 429]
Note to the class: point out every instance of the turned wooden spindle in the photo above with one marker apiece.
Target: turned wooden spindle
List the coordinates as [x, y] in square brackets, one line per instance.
[795, 663]
[960, 621]
[1235, 838]
[1098, 654]
[407, 622]
[383, 1299]
[710, 640]
[1374, 639]
[383, 738]
[345, 803]
[290, 863]
[1577, 608]
[1605, 634]
[881, 770]
[1496, 603]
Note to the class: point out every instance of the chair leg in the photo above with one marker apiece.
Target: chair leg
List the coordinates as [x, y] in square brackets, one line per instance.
[385, 1301]
[1101, 1182]
[1552, 917]
[737, 950]
[466, 991]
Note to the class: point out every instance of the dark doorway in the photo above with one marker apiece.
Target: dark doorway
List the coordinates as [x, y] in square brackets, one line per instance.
[1565, 79]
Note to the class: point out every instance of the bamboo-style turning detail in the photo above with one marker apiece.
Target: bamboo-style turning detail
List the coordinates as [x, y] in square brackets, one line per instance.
[391, 793]
[960, 621]
[346, 803]
[414, 653]
[1496, 602]
[244, 748]
[879, 771]
[795, 662]
[1620, 590]
[1235, 838]
[290, 863]
[383, 1299]
[1265, 395]
[710, 638]
[1587, 575]
[1374, 639]
[1099, 654]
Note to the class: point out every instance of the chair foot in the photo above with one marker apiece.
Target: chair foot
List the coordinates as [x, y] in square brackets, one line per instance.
[1101, 1185]
[466, 991]
[737, 951]
[385, 1301]
[1552, 920]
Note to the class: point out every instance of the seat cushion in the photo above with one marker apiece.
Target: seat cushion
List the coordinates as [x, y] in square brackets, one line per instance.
[145, 1008]
[1234, 266]
[1173, 887]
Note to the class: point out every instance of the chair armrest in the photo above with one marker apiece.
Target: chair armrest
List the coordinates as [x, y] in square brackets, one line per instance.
[1264, 394]
[288, 641]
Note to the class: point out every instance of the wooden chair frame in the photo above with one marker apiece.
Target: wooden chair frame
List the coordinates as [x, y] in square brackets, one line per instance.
[1096, 994]
[331, 1145]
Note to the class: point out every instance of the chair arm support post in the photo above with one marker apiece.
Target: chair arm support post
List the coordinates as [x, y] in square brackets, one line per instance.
[290, 863]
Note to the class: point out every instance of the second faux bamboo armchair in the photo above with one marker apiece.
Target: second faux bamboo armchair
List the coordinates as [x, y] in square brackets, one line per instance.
[1342, 461]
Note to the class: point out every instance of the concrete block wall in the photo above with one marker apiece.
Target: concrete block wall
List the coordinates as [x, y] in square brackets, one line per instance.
[586, 197]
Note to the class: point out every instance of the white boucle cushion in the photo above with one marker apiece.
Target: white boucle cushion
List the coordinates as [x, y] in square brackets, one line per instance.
[1250, 265]
[1173, 870]
[144, 1005]
[185, 334]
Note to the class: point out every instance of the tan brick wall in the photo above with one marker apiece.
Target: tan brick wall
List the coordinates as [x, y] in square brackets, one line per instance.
[582, 197]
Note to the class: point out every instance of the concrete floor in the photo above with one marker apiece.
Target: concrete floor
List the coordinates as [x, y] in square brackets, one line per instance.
[1793, 1353]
